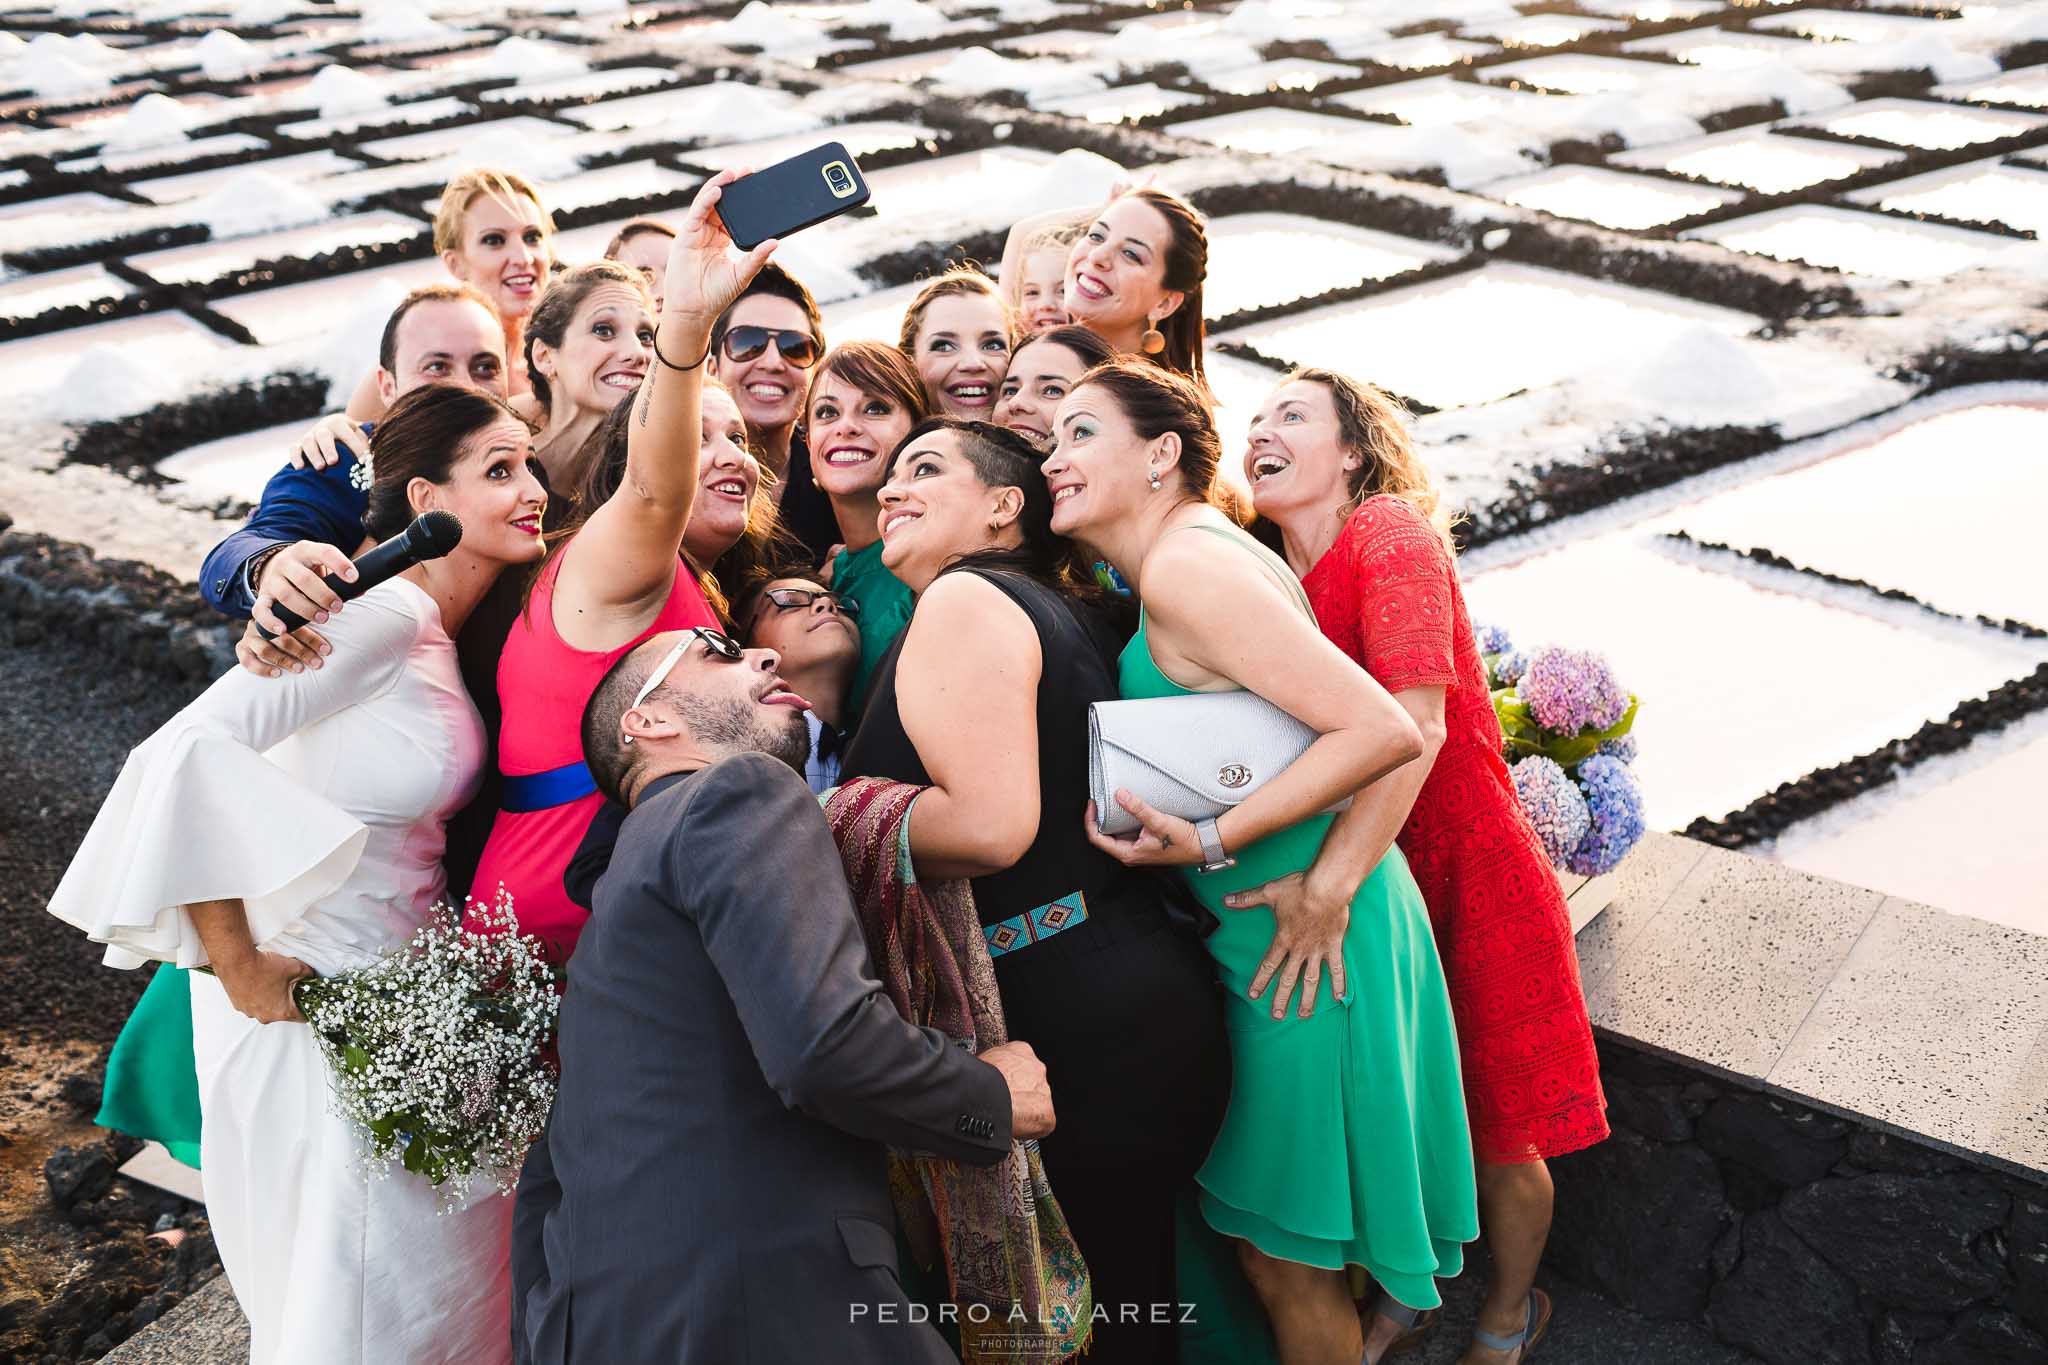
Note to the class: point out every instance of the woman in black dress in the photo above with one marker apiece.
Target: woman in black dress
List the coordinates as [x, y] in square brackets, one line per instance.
[984, 700]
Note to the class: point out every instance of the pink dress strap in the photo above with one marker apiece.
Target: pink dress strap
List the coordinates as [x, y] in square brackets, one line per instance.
[543, 685]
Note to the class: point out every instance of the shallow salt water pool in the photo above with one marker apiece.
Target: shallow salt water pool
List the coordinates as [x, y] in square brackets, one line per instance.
[1981, 191]
[1744, 687]
[1611, 198]
[1259, 259]
[1758, 159]
[1864, 243]
[1487, 333]
[213, 260]
[1936, 127]
[314, 308]
[1910, 510]
[1962, 832]
[236, 466]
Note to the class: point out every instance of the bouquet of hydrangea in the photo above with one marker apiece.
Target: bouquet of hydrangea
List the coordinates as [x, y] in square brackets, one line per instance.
[442, 1051]
[1566, 724]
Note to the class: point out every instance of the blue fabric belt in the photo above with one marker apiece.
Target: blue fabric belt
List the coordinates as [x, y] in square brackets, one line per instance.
[1021, 931]
[540, 791]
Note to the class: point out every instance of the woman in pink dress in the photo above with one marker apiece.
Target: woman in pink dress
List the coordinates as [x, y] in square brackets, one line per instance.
[616, 576]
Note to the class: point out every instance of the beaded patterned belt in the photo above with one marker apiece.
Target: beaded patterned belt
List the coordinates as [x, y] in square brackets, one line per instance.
[1035, 926]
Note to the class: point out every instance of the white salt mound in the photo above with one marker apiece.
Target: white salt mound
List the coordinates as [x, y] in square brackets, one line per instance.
[1701, 377]
[766, 27]
[341, 90]
[398, 23]
[256, 201]
[257, 12]
[152, 121]
[903, 18]
[223, 56]
[1036, 78]
[105, 380]
[529, 60]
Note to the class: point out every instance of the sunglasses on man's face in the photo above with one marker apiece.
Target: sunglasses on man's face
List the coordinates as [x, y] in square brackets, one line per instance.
[716, 643]
[745, 343]
[802, 599]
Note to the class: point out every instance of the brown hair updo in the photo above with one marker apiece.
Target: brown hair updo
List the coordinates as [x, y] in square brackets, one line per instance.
[1186, 268]
[422, 436]
[551, 317]
[878, 370]
[960, 280]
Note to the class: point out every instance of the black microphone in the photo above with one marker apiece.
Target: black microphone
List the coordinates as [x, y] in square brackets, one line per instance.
[431, 535]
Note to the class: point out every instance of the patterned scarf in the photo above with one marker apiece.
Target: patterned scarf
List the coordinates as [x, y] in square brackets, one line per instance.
[1010, 1260]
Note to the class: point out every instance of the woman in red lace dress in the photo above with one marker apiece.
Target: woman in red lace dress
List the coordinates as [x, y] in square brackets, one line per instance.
[1331, 466]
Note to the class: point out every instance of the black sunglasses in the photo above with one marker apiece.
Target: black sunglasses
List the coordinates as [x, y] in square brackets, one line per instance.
[801, 599]
[744, 343]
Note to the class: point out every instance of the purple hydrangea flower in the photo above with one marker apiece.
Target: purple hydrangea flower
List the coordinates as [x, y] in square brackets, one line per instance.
[1614, 803]
[1493, 640]
[1569, 690]
[1553, 803]
[1509, 668]
[1622, 748]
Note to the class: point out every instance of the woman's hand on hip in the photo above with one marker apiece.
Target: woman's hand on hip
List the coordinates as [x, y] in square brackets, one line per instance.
[1162, 840]
[1308, 937]
[260, 986]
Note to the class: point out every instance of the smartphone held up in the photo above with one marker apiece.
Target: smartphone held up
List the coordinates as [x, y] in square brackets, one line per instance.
[791, 195]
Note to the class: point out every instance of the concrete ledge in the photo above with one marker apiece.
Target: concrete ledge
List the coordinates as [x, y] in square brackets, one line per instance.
[206, 1329]
[1927, 1024]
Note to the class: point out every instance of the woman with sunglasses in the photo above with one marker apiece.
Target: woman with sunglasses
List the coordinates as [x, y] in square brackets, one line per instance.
[763, 349]
[614, 576]
[983, 702]
[865, 398]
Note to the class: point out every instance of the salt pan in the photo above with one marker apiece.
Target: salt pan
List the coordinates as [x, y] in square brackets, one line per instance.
[339, 91]
[224, 57]
[978, 69]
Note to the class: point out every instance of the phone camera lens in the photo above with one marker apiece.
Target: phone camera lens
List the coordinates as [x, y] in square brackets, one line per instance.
[839, 179]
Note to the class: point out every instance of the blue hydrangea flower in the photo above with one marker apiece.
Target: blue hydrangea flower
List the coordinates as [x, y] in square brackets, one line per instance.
[1622, 749]
[1509, 668]
[1493, 639]
[1614, 803]
[1569, 690]
[1553, 803]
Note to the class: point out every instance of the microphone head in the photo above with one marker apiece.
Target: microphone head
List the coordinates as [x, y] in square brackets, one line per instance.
[434, 534]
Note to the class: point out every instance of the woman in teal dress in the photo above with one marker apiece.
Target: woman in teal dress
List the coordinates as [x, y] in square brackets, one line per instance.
[864, 399]
[1345, 1143]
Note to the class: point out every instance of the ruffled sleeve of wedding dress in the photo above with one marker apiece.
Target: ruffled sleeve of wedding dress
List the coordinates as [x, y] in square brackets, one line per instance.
[199, 813]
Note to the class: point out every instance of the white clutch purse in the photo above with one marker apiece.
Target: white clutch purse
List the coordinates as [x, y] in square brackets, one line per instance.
[1193, 756]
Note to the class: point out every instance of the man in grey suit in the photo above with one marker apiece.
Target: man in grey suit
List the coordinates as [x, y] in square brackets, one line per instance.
[711, 1188]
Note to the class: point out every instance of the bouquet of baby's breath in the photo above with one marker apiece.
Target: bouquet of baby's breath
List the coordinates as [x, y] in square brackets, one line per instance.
[443, 1050]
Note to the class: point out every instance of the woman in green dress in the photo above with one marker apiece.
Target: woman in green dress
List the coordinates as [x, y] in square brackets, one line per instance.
[1345, 1143]
[864, 399]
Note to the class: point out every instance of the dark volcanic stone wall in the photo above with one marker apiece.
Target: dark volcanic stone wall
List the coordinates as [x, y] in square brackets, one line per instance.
[1802, 1237]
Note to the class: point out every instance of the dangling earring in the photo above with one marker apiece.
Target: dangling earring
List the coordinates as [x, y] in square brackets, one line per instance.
[1153, 342]
[1155, 481]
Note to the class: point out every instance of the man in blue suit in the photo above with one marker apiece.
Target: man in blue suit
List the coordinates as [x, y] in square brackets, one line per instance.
[310, 521]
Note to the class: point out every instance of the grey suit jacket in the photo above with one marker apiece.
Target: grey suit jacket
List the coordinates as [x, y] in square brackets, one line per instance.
[712, 1184]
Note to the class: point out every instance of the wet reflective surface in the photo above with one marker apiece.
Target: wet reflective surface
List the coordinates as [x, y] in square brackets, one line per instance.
[1760, 160]
[1983, 192]
[1820, 234]
[1611, 198]
[1486, 333]
[1257, 259]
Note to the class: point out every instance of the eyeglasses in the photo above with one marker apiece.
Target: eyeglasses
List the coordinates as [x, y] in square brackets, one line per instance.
[719, 643]
[802, 599]
[744, 343]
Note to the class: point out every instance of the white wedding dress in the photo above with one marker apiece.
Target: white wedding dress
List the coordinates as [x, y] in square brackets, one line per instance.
[318, 799]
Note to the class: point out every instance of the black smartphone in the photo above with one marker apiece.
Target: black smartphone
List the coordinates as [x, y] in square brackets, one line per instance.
[792, 195]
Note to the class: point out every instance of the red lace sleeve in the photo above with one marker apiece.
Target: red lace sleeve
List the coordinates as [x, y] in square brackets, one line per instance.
[1405, 605]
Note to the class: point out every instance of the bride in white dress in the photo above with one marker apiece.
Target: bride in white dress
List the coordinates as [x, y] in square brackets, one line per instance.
[275, 829]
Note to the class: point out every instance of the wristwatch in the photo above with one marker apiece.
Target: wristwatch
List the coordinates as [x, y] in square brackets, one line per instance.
[1214, 859]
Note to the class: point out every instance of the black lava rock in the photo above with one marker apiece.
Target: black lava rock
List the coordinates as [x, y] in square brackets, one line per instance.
[2027, 1253]
[1906, 1239]
[77, 1177]
[1988, 1337]
[1791, 1146]
[1786, 1304]
[1638, 1221]
[1883, 1152]
[1655, 1111]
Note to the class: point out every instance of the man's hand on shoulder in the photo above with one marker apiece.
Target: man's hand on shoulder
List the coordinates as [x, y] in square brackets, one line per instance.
[1031, 1114]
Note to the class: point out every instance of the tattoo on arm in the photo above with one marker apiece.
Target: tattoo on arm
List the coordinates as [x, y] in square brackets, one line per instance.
[646, 399]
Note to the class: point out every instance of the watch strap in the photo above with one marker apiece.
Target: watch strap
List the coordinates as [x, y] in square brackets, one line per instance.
[1213, 854]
